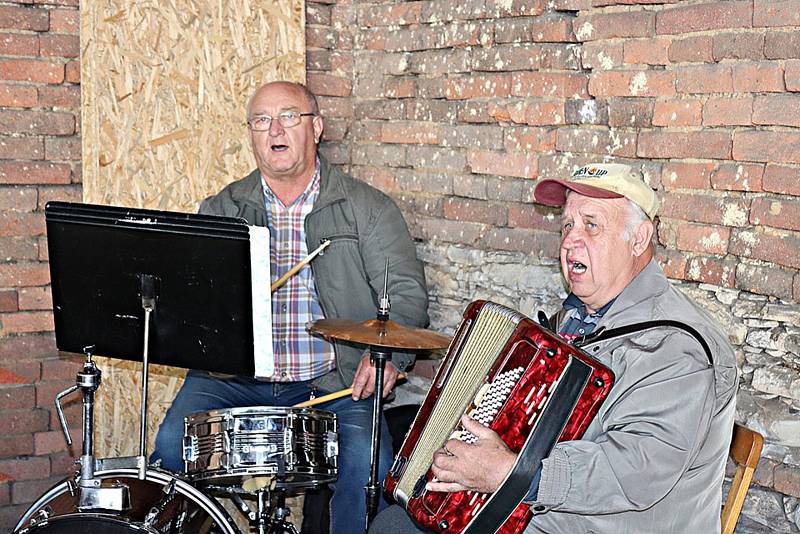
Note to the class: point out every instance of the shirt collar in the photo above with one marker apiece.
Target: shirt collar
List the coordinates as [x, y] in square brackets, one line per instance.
[572, 302]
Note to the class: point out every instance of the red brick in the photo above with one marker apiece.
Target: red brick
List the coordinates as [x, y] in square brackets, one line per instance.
[8, 300]
[506, 57]
[596, 141]
[776, 212]
[632, 83]
[514, 8]
[677, 112]
[29, 370]
[31, 70]
[28, 347]
[16, 422]
[647, 51]
[19, 44]
[29, 468]
[24, 274]
[694, 49]
[764, 280]
[65, 367]
[769, 146]
[36, 122]
[400, 87]
[707, 209]
[703, 17]
[724, 111]
[53, 441]
[431, 110]
[706, 144]
[758, 77]
[68, 148]
[792, 75]
[534, 112]
[56, 45]
[710, 270]
[65, 20]
[63, 464]
[543, 244]
[522, 165]
[73, 3]
[17, 397]
[782, 45]
[776, 247]
[410, 132]
[25, 224]
[530, 139]
[738, 45]
[782, 179]
[23, 18]
[551, 28]
[781, 110]
[738, 177]
[686, 175]
[630, 112]
[473, 136]
[614, 25]
[703, 238]
[476, 86]
[12, 446]
[21, 147]
[26, 322]
[18, 249]
[704, 79]
[439, 230]
[72, 72]
[68, 193]
[27, 491]
[328, 85]
[772, 13]
[601, 55]
[16, 96]
[480, 211]
[13, 172]
[796, 289]
[35, 298]
[433, 12]
[390, 15]
[550, 84]
[533, 216]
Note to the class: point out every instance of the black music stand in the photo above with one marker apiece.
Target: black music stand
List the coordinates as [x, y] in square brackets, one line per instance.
[154, 286]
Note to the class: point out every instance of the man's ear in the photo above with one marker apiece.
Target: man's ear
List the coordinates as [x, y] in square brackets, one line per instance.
[642, 237]
[319, 125]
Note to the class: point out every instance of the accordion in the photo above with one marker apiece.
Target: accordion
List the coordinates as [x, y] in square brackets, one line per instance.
[515, 377]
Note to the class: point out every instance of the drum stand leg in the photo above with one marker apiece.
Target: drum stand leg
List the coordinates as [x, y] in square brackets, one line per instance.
[271, 517]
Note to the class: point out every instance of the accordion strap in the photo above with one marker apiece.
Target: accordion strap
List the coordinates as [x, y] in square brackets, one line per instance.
[603, 334]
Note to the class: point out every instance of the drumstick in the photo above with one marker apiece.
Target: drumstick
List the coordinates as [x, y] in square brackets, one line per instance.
[302, 263]
[333, 396]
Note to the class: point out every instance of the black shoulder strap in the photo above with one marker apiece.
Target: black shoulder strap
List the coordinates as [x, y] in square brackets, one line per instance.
[602, 334]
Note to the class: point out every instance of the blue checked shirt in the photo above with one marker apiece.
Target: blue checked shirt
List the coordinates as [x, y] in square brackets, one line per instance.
[298, 355]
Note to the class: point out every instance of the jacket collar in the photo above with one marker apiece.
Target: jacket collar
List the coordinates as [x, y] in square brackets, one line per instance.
[648, 283]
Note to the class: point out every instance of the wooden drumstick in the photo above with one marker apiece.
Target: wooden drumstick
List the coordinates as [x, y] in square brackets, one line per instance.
[333, 396]
[294, 270]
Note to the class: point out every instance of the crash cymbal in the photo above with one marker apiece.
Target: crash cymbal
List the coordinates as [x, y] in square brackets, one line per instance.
[377, 333]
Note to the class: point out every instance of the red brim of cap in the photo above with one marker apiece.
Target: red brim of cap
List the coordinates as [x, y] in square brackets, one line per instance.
[552, 192]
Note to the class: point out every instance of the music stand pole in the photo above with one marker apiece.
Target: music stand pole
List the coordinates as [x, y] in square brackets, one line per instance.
[148, 286]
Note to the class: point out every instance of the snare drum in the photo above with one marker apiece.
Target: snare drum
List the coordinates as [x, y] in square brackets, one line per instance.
[189, 510]
[299, 447]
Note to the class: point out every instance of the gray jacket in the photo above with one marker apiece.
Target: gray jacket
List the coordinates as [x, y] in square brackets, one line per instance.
[365, 227]
[653, 459]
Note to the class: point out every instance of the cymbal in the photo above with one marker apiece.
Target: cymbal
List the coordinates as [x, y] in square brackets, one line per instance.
[387, 334]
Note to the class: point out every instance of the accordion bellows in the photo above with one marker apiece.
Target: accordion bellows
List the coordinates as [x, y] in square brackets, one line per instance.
[519, 379]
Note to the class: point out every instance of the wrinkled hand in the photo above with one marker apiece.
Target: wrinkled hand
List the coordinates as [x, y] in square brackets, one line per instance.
[364, 381]
[482, 466]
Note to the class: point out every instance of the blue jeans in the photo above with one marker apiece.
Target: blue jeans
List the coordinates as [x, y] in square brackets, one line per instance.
[202, 392]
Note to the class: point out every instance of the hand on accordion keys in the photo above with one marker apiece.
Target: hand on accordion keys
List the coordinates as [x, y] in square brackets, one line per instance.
[480, 466]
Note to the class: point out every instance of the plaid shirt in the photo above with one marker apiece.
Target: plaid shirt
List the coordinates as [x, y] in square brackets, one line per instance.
[298, 355]
[578, 321]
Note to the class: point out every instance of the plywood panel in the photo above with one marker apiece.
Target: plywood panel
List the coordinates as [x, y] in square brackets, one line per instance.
[164, 89]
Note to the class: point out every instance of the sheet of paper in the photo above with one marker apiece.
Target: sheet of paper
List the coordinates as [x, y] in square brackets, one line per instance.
[262, 302]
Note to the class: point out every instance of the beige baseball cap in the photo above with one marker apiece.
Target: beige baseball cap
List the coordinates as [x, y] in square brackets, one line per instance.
[600, 180]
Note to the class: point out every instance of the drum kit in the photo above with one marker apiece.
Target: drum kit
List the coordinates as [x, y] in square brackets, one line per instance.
[244, 454]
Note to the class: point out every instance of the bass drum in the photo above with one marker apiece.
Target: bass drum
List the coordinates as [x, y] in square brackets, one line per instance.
[188, 511]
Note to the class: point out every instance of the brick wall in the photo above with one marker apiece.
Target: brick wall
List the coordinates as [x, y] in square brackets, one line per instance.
[455, 107]
[40, 156]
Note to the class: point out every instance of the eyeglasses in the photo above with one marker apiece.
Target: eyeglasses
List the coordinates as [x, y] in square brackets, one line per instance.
[287, 119]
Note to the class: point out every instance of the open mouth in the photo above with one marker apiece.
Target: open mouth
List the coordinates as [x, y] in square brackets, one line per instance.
[577, 267]
[279, 148]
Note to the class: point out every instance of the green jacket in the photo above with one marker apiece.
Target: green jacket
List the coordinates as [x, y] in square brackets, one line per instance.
[365, 227]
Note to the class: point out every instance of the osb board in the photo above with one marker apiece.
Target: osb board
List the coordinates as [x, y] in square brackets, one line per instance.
[164, 89]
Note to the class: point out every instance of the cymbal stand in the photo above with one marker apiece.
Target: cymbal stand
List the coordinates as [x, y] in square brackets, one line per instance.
[378, 356]
[270, 517]
[148, 287]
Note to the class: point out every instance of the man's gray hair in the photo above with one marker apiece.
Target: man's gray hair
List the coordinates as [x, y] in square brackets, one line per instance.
[633, 219]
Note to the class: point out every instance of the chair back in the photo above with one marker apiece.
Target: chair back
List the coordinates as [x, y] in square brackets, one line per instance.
[745, 452]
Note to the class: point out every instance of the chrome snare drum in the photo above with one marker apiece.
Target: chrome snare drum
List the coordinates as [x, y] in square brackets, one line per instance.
[298, 446]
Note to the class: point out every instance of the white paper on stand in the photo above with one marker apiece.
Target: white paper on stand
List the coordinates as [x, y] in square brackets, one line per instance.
[262, 302]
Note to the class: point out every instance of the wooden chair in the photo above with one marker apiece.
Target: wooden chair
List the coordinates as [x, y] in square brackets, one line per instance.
[745, 452]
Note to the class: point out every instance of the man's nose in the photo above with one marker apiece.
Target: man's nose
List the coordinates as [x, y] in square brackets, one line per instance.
[275, 127]
[571, 237]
